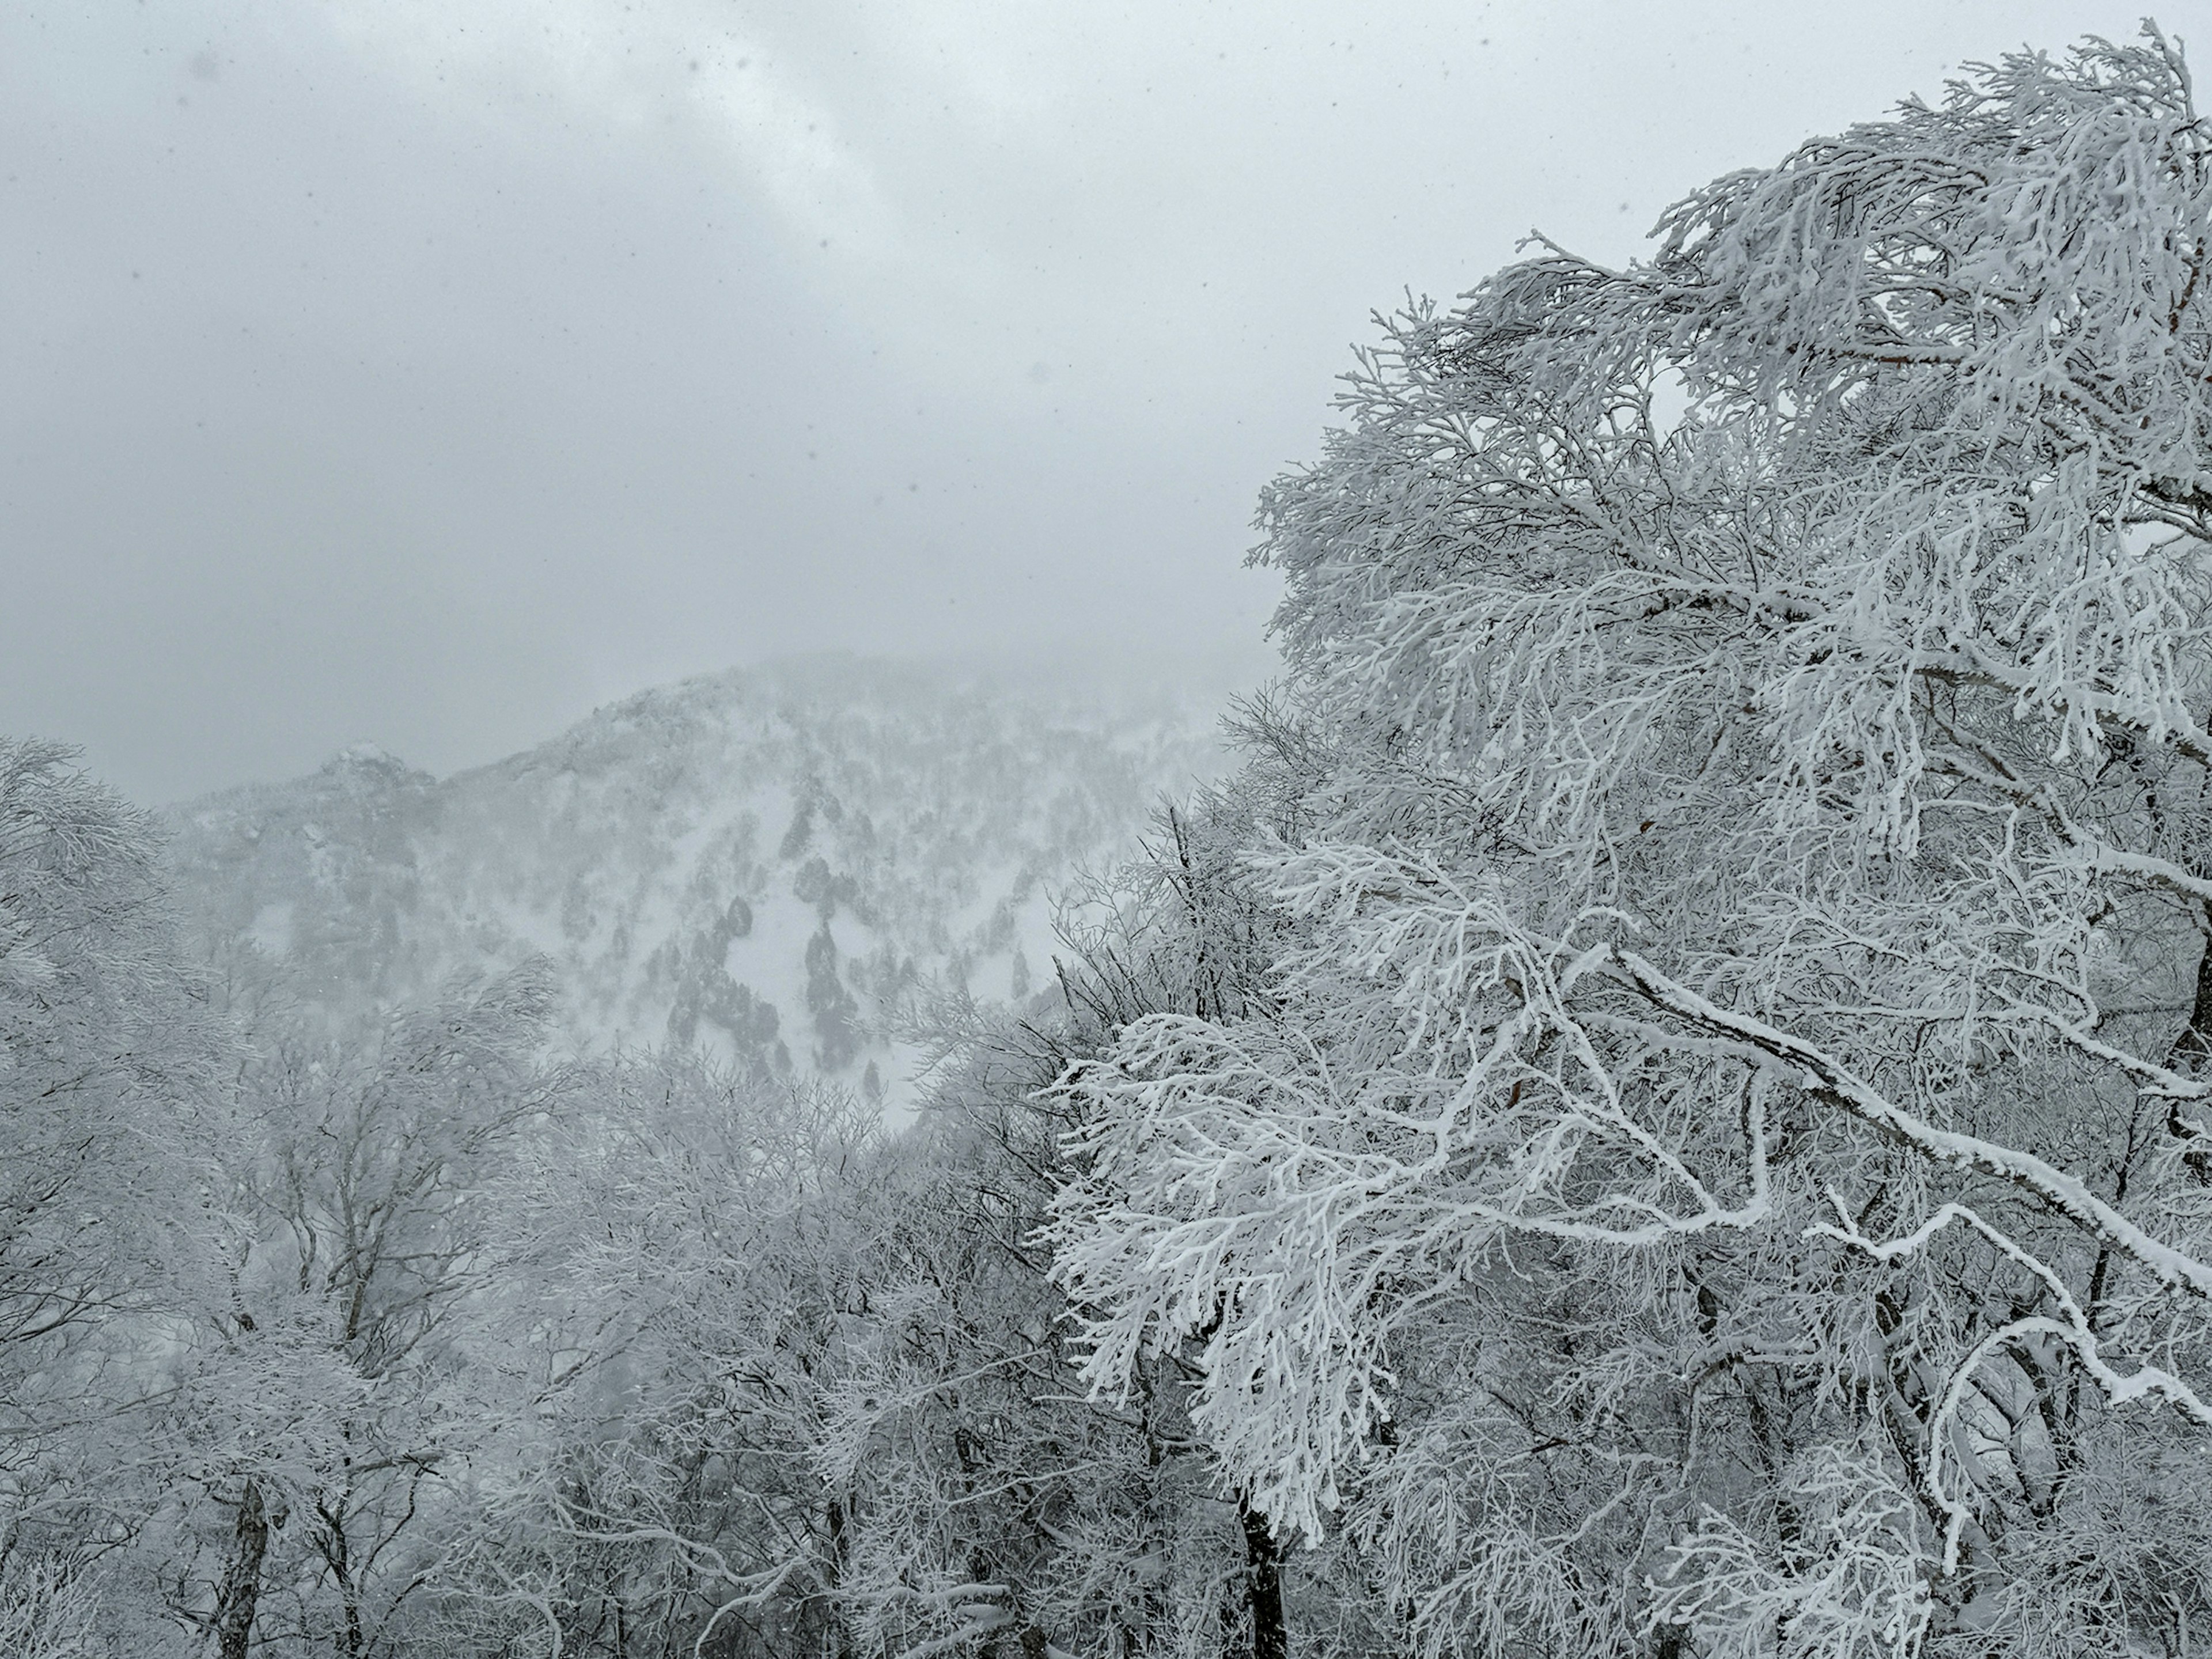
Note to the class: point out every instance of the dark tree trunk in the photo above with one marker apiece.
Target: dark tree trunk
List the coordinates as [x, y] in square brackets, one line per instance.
[1263, 1582]
[2194, 1046]
[337, 1551]
[2192, 1055]
[241, 1576]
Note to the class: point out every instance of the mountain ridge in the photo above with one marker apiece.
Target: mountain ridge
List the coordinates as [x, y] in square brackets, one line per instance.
[767, 861]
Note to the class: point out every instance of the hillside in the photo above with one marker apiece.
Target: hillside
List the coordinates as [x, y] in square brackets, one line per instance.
[765, 861]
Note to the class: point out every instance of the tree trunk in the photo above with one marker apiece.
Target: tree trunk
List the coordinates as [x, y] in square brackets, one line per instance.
[2192, 1055]
[241, 1576]
[337, 1554]
[1263, 1582]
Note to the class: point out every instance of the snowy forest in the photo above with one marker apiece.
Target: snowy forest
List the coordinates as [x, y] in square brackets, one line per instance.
[1655, 1103]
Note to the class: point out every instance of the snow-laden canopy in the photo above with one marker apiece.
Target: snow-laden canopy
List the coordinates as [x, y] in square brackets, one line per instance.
[1716, 1149]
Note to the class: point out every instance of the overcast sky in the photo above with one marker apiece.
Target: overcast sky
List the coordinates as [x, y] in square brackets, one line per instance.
[430, 371]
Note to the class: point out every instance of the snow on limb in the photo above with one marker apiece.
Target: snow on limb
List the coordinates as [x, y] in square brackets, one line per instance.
[2066, 1193]
[1747, 742]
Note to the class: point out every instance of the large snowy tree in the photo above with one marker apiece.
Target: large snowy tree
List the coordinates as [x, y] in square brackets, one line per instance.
[1721, 1161]
[369, 1352]
[108, 1066]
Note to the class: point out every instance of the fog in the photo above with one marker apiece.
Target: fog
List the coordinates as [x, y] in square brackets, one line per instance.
[431, 373]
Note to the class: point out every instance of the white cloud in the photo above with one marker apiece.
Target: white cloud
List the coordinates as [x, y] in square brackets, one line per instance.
[632, 69]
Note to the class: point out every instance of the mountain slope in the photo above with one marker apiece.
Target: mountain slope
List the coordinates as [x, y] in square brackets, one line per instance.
[764, 861]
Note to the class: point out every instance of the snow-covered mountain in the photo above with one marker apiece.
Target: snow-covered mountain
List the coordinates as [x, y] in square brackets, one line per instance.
[765, 861]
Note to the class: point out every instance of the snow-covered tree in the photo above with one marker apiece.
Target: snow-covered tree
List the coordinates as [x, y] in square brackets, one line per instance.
[106, 1070]
[836, 1408]
[989, 1507]
[366, 1352]
[692, 1249]
[1721, 1160]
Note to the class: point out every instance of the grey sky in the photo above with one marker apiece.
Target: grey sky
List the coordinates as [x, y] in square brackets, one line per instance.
[429, 371]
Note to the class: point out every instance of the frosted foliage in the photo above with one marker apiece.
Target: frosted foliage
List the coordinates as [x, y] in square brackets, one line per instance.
[45, 1612]
[1858, 1591]
[95, 1054]
[1723, 1145]
[104, 1064]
